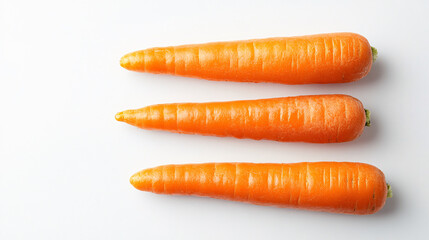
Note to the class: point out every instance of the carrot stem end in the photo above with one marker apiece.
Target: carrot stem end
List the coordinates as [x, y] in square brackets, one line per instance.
[374, 53]
[389, 191]
[368, 118]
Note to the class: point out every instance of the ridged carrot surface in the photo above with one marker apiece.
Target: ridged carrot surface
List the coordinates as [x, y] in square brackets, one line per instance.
[322, 58]
[317, 118]
[340, 187]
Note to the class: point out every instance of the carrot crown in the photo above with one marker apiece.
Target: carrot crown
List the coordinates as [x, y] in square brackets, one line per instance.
[368, 118]
[389, 191]
[374, 53]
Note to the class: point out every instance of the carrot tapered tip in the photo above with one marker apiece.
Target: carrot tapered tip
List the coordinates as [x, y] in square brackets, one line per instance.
[119, 116]
[133, 179]
[125, 61]
[142, 180]
[132, 61]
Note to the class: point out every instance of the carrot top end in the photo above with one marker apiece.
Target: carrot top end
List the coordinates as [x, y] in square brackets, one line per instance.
[374, 53]
[368, 118]
[389, 191]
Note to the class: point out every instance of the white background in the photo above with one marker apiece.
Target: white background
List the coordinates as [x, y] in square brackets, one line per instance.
[65, 162]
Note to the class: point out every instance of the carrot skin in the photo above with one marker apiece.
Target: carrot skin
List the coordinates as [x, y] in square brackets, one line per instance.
[338, 187]
[315, 119]
[322, 58]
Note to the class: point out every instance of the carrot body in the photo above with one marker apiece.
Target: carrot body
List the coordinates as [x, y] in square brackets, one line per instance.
[340, 187]
[318, 118]
[323, 58]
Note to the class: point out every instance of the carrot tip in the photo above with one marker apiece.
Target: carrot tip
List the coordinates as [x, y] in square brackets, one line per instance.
[368, 118]
[374, 53]
[132, 179]
[119, 116]
[125, 61]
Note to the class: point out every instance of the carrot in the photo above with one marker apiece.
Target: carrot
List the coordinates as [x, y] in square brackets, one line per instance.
[317, 118]
[339, 187]
[322, 58]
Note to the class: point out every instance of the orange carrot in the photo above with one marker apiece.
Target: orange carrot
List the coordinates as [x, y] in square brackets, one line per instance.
[339, 187]
[322, 58]
[317, 119]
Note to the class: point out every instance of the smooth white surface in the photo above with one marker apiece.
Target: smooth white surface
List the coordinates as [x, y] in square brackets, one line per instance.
[65, 162]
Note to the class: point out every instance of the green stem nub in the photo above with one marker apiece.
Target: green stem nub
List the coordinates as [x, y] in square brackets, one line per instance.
[389, 191]
[368, 118]
[374, 53]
